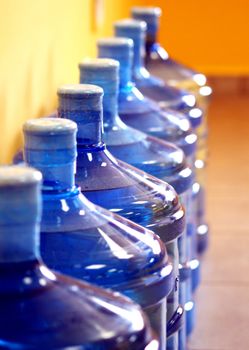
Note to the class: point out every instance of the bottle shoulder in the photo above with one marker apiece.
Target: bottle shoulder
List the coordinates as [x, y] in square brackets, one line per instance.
[145, 110]
[159, 92]
[159, 61]
[127, 191]
[168, 124]
[49, 310]
[109, 173]
[93, 244]
[158, 158]
[168, 96]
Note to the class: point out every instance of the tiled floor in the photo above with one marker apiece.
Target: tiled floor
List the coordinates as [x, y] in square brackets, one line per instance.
[223, 298]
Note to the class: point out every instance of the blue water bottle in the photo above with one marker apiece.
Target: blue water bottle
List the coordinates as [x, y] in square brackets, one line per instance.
[41, 309]
[149, 154]
[157, 157]
[88, 242]
[139, 112]
[168, 97]
[159, 62]
[115, 185]
[177, 75]
[151, 86]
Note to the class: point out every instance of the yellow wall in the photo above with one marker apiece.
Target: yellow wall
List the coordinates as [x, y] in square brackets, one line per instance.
[41, 42]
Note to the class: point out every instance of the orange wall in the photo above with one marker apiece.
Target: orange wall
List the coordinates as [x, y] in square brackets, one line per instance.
[211, 35]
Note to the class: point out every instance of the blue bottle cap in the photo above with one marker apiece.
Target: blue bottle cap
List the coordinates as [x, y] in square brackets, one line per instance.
[82, 103]
[120, 49]
[50, 146]
[116, 48]
[78, 97]
[135, 30]
[148, 14]
[17, 176]
[130, 27]
[103, 71]
[19, 185]
[20, 212]
[146, 11]
[48, 130]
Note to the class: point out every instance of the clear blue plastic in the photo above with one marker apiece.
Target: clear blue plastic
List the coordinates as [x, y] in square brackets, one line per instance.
[160, 159]
[140, 112]
[88, 242]
[155, 54]
[159, 63]
[42, 309]
[151, 86]
[113, 184]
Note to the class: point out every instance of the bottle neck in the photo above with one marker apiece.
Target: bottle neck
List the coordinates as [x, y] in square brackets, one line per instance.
[108, 80]
[12, 250]
[110, 109]
[139, 52]
[57, 164]
[138, 62]
[121, 51]
[89, 122]
[152, 21]
[151, 39]
[125, 73]
[19, 224]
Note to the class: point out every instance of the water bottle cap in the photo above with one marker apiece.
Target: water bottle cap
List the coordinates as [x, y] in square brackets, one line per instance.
[115, 42]
[18, 176]
[82, 103]
[132, 25]
[52, 126]
[103, 63]
[20, 213]
[118, 48]
[146, 10]
[79, 90]
[79, 98]
[47, 135]
[103, 72]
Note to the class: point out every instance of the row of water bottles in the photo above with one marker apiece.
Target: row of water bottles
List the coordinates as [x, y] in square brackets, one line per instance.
[118, 173]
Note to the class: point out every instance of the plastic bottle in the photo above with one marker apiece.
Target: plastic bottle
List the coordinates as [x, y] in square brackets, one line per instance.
[159, 63]
[113, 184]
[147, 153]
[41, 309]
[138, 112]
[88, 242]
[180, 100]
[152, 86]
